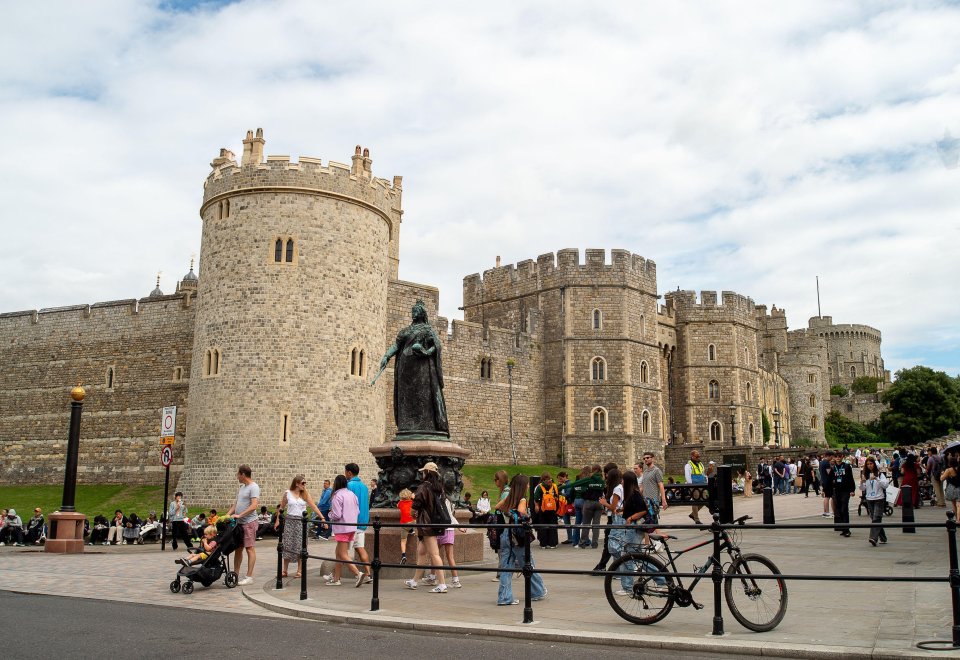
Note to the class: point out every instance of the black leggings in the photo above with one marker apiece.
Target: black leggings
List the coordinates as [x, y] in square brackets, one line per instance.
[180, 530]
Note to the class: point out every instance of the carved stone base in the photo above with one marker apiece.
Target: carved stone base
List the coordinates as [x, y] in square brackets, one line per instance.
[66, 533]
[400, 460]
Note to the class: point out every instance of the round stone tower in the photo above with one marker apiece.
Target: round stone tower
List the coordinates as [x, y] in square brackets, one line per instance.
[291, 317]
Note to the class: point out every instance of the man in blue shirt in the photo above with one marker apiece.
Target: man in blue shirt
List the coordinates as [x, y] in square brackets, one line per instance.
[323, 531]
[358, 488]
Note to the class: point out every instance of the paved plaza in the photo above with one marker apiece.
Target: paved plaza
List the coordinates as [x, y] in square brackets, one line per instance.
[824, 618]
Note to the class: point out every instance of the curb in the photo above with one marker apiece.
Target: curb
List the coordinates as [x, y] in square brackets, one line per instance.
[261, 596]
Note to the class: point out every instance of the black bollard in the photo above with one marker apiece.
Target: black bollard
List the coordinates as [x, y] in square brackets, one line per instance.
[279, 583]
[303, 557]
[906, 508]
[768, 515]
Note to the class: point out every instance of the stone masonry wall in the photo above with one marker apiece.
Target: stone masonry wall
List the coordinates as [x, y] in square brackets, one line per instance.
[46, 353]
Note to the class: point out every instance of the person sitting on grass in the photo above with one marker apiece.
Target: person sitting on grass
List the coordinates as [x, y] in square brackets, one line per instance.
[207, 545]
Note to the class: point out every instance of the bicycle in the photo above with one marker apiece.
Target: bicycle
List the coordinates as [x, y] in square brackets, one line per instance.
[650, 598]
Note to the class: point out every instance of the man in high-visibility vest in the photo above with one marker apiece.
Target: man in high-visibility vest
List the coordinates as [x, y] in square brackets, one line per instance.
[695, 473]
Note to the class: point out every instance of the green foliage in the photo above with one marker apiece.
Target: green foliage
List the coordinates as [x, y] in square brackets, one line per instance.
[765, 423]
[838, 390]
[864, 385]
[841, 431]
[924, 404]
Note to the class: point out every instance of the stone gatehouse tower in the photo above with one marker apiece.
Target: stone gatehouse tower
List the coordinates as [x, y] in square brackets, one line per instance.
[291, 311]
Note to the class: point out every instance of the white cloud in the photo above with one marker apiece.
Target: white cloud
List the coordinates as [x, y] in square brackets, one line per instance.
[740, 148]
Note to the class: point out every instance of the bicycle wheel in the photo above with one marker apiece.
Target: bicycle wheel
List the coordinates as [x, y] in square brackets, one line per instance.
[647, 601]
[758, 603]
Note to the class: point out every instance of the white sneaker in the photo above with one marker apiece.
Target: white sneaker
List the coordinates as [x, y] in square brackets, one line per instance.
[246, 580]
[619, 592]
[332, 583]
[439, 589]
[456, 583]
[545, 592]
[328, 577]
[410, 584]
[429, 579]
[495, 578]
[2, 544]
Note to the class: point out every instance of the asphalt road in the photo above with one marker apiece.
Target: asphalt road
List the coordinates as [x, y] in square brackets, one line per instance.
[57, 627]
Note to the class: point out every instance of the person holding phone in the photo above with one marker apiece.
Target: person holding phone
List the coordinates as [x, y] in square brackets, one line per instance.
[873, 483]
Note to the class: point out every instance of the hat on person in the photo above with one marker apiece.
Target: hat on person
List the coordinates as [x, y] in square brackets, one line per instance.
[712, 463]
[430, 467]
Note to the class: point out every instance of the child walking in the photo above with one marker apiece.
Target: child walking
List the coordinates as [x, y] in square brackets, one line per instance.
[406, 518]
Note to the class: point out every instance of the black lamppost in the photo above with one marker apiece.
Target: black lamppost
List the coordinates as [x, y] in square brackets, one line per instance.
[513, 445]
[776, 427]
[733, 424]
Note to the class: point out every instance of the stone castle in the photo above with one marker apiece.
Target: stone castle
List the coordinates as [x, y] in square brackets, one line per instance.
[269, 353]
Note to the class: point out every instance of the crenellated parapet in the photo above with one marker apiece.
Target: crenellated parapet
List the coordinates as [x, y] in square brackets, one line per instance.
[731, 307]
[148, 306]
[804, 347]
[563, 269]
[825, 327]
[352, 183]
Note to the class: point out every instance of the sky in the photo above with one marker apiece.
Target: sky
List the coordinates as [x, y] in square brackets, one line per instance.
[744, 146]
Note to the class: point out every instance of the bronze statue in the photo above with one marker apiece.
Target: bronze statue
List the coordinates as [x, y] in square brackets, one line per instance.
[418, 406]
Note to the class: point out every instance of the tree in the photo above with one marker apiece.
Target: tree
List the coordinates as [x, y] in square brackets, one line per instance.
[765, 424]
[923, 404]
[838, 390]
[841, 431]
[865, 385]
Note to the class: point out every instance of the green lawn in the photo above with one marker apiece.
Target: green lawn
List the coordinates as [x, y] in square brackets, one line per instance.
[477, 478]
[91, 499]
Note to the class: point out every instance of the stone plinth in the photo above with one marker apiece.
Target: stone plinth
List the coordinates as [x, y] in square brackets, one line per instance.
[66, 533]
[400, 460]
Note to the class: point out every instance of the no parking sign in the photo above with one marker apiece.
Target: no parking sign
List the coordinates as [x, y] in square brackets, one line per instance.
[168, 425]
[166, 456]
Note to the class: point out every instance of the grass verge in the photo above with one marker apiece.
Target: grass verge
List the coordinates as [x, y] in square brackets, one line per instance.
[92, 500]
[477, 478]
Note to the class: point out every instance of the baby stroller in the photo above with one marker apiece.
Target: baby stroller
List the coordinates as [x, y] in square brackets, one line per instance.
[214, 566]
[925, 488]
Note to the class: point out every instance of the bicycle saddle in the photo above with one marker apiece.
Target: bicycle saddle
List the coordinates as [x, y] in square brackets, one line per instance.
[662, 537]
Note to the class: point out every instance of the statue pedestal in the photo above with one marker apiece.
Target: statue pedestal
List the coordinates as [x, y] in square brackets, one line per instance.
[400, 460]
[66, 533]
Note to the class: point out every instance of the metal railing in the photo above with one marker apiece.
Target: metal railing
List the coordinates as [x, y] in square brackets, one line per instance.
[717, 576]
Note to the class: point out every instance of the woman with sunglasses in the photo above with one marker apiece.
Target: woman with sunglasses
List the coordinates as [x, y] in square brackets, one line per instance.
[295, 501]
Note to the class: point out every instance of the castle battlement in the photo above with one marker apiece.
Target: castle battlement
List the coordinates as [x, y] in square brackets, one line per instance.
[825, 326]
[124, 307]
[564, 268]
[256, 173]
[729, 307]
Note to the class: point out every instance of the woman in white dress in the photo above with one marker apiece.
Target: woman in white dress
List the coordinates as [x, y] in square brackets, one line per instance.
[295, 501]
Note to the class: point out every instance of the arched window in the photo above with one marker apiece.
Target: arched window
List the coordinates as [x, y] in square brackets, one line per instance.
[598, 369]
[644, 376]
[599, 416]
[746, 356]
[830, 371]
[207, 362]
[813, 400]
[226, 208]
[289, 250]
[716, 432]
[597, 319]
[750, 431]
[353, 362]
[486, 368]
[712, 353]
[749, 392]
[813, 422]
[177, 374]
[360, 363]
[643, 326]
[645, 422]
[215, 369]
[853, 372]
[109, 378]
[278, 251]
[713, 389]
[219, 210]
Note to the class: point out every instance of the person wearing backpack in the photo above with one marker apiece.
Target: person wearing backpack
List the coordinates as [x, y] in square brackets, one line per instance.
[934, 465]
[512, 552]
[546, 501]
[432, 519]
